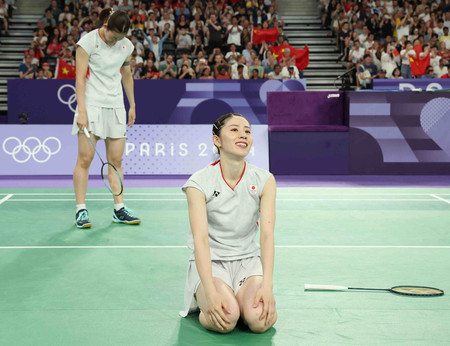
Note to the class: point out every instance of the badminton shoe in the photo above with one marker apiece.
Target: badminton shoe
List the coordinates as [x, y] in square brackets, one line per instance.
[126, 216]
[82, 219]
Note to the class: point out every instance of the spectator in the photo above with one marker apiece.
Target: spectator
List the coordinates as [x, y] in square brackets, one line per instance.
[206, 73]
[186, 72]
[441, 69]
[222, 70]
[48, 74]
[184, 60]
[231, 56]
[397, 74]
[213, 33]
[156, 46]
[239, 70]
[234, 31]
[256, 66]
[366, 72]
[405, 54]
[183, 40]
[168, 67]
[429, 74]
[150, 71]
[27, 70]
[54, 48]
[4, 16]
[276, 73]
[290, 71]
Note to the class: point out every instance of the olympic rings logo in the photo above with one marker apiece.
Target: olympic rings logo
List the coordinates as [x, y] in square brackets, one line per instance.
[72, 98]
[31, 151]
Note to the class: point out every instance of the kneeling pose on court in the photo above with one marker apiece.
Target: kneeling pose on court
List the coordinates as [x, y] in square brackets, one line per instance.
[103, 62]
[229, 274]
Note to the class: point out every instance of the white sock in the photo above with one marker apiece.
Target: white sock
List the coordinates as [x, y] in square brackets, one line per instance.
[118, 206]
[80, 206]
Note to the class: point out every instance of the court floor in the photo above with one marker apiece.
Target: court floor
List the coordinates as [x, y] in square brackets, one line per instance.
[123, 285]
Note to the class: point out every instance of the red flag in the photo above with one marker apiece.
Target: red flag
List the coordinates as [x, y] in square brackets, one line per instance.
[64, 70]
[301, 55]
[419, 66]
[268, 35]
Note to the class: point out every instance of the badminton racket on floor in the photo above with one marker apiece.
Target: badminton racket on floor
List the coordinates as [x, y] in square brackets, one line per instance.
[115, 186]
[406, 290]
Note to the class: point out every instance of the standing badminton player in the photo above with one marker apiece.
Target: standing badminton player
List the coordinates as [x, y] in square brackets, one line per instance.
[230, 274]
[102, 66]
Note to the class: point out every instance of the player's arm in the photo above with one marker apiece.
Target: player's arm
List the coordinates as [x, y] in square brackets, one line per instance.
[267, 219]
[82, 61]
[199, 226]
[128, 85]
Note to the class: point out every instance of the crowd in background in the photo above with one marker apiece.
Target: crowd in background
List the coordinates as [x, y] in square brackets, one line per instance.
[173, 39]
[381, 39]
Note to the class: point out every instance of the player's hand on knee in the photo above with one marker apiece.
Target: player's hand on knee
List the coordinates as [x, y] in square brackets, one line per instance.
[216, 309]
[264, 295]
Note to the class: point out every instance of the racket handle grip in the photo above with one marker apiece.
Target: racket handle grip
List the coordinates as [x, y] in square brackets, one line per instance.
[86, 132]
[325, 288]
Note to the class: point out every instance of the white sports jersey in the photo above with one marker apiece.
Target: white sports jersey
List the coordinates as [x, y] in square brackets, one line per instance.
[233, 214]
[103, 80]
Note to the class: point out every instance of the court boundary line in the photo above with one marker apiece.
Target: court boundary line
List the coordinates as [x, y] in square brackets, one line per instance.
[440, 198]
[4, 199]
[182, 194]
[185, 247]
[278, 199]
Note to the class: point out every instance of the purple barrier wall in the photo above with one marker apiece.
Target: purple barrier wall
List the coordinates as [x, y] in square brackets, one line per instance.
[150, 149]
[411, 84]
[399, 132]
[310, 111]
[157, 101]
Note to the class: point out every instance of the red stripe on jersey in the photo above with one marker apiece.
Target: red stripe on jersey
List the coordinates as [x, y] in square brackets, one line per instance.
[215, 163]
[245, 165]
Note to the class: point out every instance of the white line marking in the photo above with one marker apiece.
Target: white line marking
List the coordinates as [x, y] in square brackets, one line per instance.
[98, 194]
[4, 199]
[182, 194]
[441, 199]
[185, 247]
[278, 199]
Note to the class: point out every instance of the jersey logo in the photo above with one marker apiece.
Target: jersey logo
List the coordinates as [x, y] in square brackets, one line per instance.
[253, 189]
[216, 193]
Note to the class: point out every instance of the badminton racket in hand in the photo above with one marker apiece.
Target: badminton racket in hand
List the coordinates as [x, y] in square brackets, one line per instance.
[110, 175]
[406, 290]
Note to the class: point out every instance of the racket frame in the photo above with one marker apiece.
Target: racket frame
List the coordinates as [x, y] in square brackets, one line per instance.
[86, 132]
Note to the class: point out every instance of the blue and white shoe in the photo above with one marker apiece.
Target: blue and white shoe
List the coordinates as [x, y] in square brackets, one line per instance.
[126, 216]
[82, 219]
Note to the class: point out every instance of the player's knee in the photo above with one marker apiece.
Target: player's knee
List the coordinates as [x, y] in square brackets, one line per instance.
[255, 324]
[84, 161]
[115, 161]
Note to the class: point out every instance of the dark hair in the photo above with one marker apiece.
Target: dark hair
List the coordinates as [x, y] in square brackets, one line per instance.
[220, 123]
[117, 21]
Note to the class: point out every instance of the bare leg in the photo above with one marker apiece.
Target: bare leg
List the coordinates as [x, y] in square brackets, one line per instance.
[81, 172]
[228, 294]
[114, 153]
[249, 314]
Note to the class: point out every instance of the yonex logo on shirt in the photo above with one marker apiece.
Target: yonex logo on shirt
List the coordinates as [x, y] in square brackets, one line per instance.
[216, 193]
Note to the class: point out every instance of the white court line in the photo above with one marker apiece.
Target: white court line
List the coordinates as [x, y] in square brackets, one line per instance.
[278, 199]
[98, 194]
[441, 199]
[185, 247]
[182, 194]
[4, 199]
